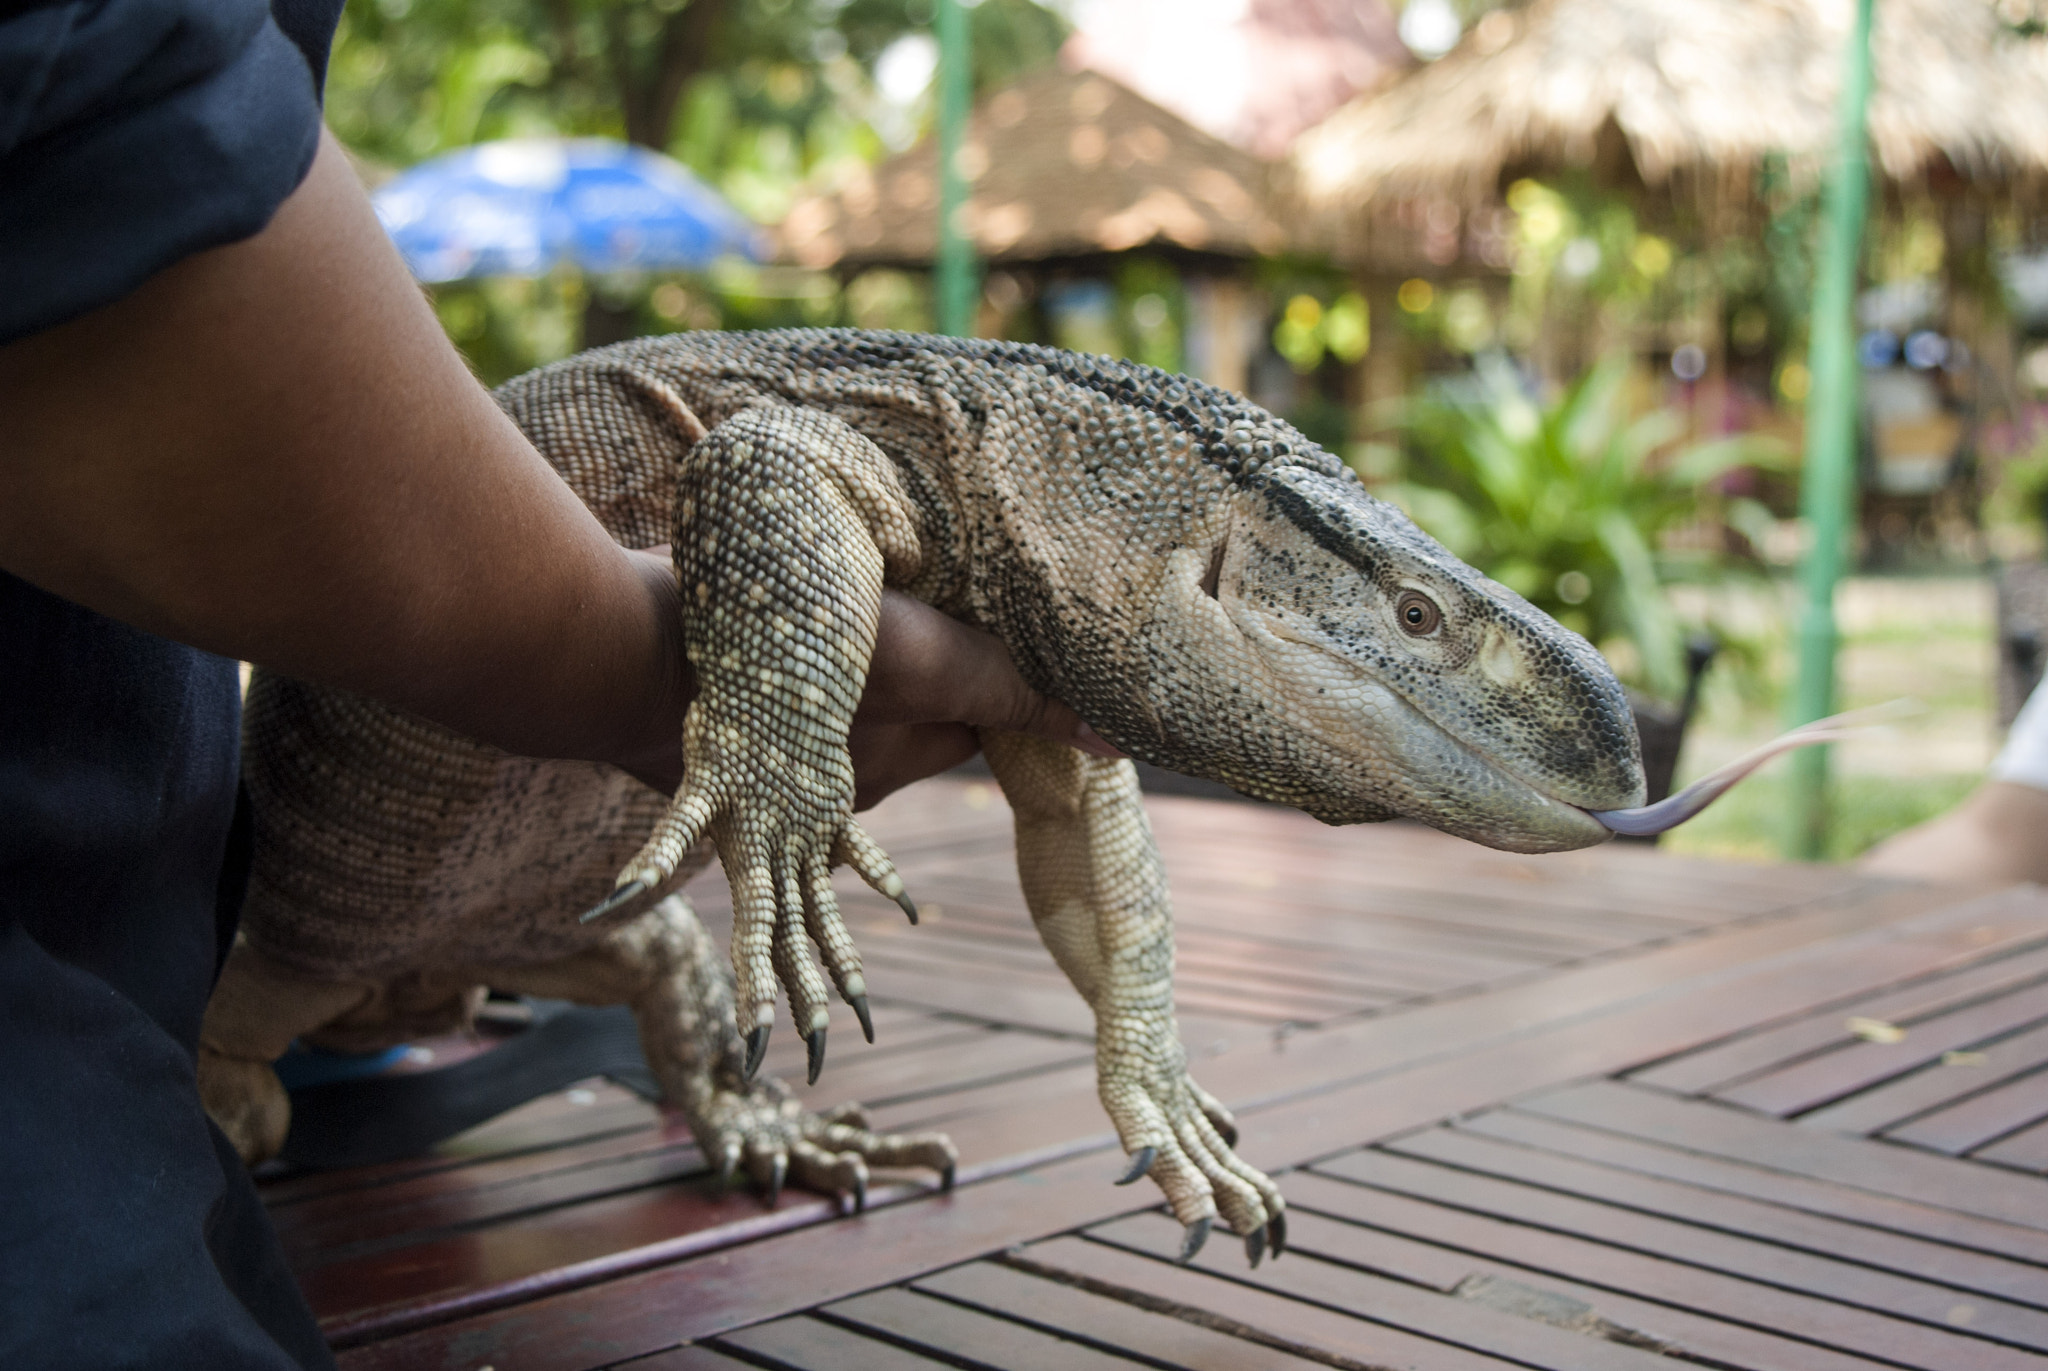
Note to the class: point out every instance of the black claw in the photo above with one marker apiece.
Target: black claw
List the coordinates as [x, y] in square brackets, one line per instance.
[775, 1180]
[1276, 1231]
[1141, 1163]
[1225, 1130]
[860, 1194]
[727, 1161]
[909, 907]
[1255, 1246]
[946, 1177]
[814, 1047]
[625, 894]
[1191, 1241]
[860, 1011]
[757, 1048]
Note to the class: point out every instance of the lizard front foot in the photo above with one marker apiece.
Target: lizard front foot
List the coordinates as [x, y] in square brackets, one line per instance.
[1182, 1137]
[779, 831]
[762, 1127]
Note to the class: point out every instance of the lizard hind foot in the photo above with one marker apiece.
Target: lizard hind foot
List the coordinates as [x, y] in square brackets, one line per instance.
[762, 1126]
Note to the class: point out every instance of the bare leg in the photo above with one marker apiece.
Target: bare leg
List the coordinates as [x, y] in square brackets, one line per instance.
[1998, 835]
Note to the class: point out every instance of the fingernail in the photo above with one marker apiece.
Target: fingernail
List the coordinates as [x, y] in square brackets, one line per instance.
[1090, 741]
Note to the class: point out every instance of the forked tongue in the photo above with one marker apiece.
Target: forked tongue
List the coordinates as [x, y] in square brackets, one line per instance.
[1674, 810]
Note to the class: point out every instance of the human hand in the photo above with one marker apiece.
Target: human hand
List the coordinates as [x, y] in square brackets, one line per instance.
[931, 683]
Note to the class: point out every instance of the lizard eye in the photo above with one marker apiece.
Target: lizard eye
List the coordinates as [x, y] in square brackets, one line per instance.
[1417, 614]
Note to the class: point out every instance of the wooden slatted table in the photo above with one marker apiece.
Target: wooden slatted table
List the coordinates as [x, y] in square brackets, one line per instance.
[1601, 1109]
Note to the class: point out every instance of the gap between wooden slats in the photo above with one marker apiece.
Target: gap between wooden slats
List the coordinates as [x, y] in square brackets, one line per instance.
[1725, 1064]
[1705, 1290]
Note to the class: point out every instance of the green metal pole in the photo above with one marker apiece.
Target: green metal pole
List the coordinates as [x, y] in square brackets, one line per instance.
[1828, 482]
[955, 283]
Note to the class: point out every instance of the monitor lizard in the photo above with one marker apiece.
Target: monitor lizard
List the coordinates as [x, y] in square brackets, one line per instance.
[1208, 589]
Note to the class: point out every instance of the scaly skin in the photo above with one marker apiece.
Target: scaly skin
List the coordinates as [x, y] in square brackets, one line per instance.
[1208, 589]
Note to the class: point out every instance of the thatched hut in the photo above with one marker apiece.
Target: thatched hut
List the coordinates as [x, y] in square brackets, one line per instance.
[1068, 172]
[1062, 165]
[1657, 89]
[1682, 101]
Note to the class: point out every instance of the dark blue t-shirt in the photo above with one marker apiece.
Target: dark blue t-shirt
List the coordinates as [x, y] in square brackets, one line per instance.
[132, 134]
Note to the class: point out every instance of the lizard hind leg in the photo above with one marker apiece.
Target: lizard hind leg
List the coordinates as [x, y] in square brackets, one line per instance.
[787, 524]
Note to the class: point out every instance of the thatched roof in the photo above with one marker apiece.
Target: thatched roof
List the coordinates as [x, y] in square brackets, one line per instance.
[1061, 165]
[1688, 84]
[1255, 73]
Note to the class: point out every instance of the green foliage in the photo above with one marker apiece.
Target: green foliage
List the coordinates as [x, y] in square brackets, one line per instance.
[755, 96]
[1566, 503]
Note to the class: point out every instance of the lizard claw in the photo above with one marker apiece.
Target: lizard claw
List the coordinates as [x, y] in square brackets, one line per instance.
[757, 1048]
[909, 908]
[946, 1174]
[1277, 1228]
[728, 1160]
[624, 895]
[814, 1050]
[860, 1011]
[1192, 1239]
[1141, 1162]
[1255, 1246]
[776, 1177]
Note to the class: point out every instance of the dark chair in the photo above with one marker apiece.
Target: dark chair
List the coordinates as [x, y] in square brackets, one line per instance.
[2022, 635]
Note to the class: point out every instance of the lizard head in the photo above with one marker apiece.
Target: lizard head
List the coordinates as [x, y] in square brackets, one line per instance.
[1359, 671]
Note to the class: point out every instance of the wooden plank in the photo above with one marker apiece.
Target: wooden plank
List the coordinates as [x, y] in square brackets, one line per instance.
[1703, 1290]
[1703, 1071]
[1323, 1268]
[385, 1229]
[1721, 1131]
[2026, 1150]
[956, 1331]
[973, 1058]
[809, 1344]
[1255, 1310]
[343, 1286]
[1912, 1257]
[1936, 1085]
[1118, 1325]
[539, 1126]
[684, 1359]
[1831, 1075]
[1266, 1305]
[1730, 1253]
[1390, 1074]
[1971, 1123]
[1741, 1178]
[1426, 1313]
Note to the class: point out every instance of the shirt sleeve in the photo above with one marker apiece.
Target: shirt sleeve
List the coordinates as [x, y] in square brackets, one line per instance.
[136, 132]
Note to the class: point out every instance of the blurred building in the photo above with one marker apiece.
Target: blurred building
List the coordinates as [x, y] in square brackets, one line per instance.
[1077, 184]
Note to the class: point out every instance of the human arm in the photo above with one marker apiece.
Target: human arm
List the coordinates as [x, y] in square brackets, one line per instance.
[270, 450]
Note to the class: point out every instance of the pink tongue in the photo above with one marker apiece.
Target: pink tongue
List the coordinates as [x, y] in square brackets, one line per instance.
[1669, 813]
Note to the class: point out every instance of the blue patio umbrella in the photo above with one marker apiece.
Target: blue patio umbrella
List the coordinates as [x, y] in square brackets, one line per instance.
[521, 206]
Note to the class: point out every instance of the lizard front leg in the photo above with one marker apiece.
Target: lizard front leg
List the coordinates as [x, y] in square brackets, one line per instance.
[787, 522]
[1097, 893]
